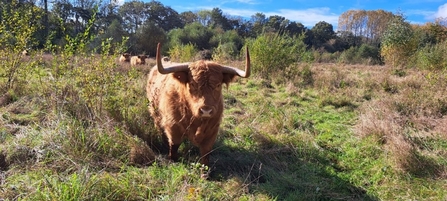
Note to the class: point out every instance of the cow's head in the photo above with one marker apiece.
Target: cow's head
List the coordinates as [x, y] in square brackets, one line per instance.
[126, 56]
[203, 81]
[142, 58]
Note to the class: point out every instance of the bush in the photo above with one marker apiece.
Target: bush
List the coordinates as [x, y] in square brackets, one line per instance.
[15, 37]
[225, 52]
[273, 53]
[432, 57]
[182, 53]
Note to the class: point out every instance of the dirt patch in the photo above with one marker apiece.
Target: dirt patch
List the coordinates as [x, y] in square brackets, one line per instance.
[3, 164]
[141, 155]
[5, 99]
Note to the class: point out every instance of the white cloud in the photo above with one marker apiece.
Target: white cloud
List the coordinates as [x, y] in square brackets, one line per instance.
[308, 17]
[118, 2]
[442, 11]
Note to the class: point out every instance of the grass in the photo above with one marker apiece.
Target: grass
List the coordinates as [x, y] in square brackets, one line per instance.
[332, 132]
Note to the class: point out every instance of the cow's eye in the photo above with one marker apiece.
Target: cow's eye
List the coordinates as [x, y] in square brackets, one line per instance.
[218, 86]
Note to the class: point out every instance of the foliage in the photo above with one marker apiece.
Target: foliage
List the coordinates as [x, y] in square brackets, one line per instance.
[398, 43]
[230, 36]
[147, 38]
[321, 33]
[225, 52]
[273, 53]
[16, 35]
[74, 124]
[432, 57]
[194, 33]
[365, 54]
[182, 53]
[369, 25]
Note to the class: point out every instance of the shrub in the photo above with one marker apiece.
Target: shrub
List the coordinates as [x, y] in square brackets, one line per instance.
[273, 53]
[16, 35]
[398, 42]
[225, 52]
[432, 57]
[182, 53]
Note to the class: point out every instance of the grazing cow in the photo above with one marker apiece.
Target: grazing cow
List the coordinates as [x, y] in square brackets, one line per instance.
[138, 60]
[125, 57]
[25, 52]
[185, 101]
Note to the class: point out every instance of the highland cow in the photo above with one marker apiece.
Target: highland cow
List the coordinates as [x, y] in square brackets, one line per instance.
[125, 57]
[185, 101]
[138, 60]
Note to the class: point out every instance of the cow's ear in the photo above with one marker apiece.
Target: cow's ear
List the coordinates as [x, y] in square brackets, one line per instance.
[181, 76]
[227, 78]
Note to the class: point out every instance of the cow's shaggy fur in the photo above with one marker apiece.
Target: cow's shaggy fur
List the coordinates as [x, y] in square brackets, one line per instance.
[125, 57]
[178, 99]
[138, 60]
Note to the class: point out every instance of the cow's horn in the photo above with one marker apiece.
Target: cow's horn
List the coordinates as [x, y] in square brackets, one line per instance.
[170, 69]
[236, 71]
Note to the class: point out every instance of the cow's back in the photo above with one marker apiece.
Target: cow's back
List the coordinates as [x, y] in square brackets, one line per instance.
[164, 100]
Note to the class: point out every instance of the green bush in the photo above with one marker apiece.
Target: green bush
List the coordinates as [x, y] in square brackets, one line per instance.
[182, 53]
[225, 52]
[273, 53]
[432, 57]
[364, 54]
[16, 35]
[348, 56]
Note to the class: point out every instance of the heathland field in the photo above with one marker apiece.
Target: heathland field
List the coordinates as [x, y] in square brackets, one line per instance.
[357, 114]
[76, 127]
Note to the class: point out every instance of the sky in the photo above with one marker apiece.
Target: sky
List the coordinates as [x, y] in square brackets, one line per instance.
[310, 12]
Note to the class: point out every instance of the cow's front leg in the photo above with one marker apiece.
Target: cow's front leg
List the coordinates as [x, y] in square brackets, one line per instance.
[173, 152]
[206, 146]
[205, 155]
[174, 143]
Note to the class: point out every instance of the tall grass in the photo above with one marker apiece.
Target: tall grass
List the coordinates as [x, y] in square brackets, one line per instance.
[75, 126]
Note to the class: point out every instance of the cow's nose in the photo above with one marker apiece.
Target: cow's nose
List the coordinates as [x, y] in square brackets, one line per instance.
[206, 111]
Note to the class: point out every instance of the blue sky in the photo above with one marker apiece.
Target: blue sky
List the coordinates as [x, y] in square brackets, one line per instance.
[309, 12]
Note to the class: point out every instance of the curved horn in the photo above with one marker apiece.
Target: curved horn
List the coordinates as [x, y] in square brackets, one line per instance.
[236, 71]
[171, 69]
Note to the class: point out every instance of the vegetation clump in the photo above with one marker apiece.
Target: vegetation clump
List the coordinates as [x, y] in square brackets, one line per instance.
[325, 115]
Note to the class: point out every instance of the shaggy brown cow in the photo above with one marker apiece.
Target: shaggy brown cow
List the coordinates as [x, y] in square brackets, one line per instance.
[25, 53]
[125, 57]
[166, 59]
[186, 101]
[138, 60]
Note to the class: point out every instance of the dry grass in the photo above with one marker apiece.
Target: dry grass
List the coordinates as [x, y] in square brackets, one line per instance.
[408, 111]
[303, 136]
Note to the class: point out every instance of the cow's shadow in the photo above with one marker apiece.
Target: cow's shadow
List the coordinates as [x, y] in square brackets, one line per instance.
[274, 169]
[280, 171]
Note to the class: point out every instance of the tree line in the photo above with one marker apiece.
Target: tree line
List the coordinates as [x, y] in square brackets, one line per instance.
[141, 25]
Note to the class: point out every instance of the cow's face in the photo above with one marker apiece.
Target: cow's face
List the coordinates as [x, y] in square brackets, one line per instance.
[125, 57]
[204, 88]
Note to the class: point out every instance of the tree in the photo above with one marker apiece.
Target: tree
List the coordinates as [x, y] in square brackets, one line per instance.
[219, 20]
[295, 29]
[164, 17]
[147, 37]
[194, 33]
[276, 24]
[115, 31]
[322, 33]
[188, 17]
[204, 17]
[133, 14]
[398, 43]
[369, 25]
[258, 22]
